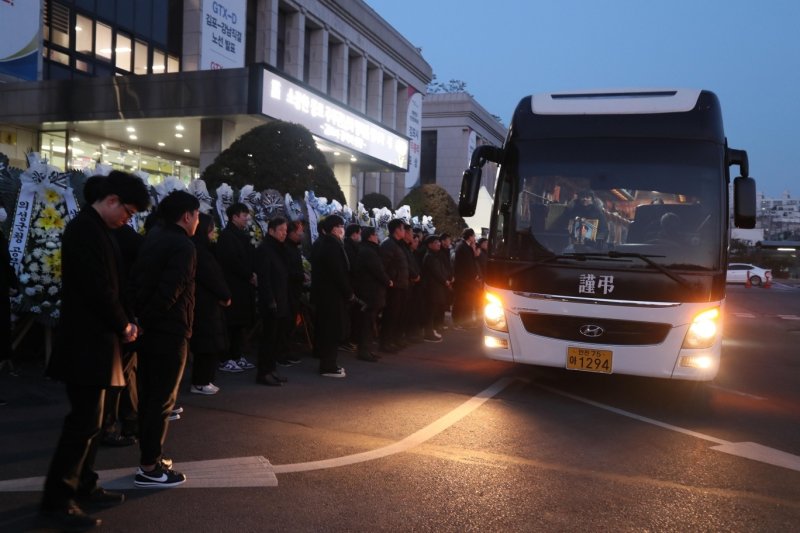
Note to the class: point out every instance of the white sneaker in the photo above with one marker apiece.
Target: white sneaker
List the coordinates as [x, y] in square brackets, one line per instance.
[339, 373]
[437, 334]
[230, 366]
[244, 364]
[203, 389]
[213, 387]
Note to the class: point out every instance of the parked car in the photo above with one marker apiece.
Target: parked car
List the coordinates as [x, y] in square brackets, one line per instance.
[737, 273]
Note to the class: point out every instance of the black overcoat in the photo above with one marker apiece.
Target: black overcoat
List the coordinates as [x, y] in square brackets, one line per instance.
[273, 278]
[88, 341]
[434, 279]
[330, 290]
[209, 333]
[236, 256]
[163, 278]
[371, 279]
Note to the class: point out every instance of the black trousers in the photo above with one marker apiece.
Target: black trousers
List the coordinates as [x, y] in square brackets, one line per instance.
[72, 466]
[396, 300]
[273, 344]
[236, 340]
[204, 367]
[122, 403]
[365, 329]
[162, 359]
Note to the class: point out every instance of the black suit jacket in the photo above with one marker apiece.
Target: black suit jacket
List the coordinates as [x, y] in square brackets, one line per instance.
[88, 343]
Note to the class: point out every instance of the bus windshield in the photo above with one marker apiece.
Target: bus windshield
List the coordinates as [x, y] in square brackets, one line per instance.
[593, 197]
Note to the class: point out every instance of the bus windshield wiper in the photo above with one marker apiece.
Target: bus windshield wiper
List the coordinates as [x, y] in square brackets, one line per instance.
[647, 259]
[550, 258]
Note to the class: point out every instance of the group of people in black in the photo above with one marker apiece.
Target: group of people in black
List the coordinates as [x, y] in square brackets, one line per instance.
[135, 308]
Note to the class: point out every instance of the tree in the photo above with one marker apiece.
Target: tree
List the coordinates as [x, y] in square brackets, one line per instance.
[279, 155]
[453, 86]
[375, 200]
[434, 201]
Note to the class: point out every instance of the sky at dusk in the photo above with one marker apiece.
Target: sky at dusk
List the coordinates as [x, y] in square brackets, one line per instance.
[747, 52]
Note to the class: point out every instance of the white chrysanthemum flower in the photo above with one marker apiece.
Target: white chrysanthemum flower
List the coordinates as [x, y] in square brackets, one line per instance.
[30, 291]
[52, 291]
[52, 245]
[38, 288]
[46, 304]
[24, 278]
[47, 280]
[37, 253]
[33, 267]
[36, 309]
[56, 313]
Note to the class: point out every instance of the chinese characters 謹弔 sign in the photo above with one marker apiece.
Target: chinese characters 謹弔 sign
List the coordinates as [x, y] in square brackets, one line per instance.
[223, 34]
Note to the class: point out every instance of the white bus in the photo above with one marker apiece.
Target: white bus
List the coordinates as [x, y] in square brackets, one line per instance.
[609, 232]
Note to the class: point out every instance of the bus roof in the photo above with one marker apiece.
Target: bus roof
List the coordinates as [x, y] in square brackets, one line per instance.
[615, 102]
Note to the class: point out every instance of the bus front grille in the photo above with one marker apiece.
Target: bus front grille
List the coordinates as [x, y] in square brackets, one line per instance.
[595, 330]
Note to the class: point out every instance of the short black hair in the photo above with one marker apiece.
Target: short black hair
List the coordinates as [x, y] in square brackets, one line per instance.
[294, 226]
[467, 233]
[176, 204]
[352, 228]
[275, 222]
[236, 208]
[394, 224]
[330, 222]
[367, 232]
[130, 189]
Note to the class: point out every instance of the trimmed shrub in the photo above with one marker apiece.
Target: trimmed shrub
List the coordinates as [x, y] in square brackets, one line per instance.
[279, 155]
[433, 200]
[375, 200]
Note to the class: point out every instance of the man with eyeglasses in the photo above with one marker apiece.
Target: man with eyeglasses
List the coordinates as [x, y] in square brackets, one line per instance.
[87, 353]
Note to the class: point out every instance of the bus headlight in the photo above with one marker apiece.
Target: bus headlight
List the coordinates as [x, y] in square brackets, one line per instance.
[493, 314]
[703, 330]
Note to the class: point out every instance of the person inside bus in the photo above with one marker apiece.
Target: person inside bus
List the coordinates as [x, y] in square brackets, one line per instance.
[584, 219]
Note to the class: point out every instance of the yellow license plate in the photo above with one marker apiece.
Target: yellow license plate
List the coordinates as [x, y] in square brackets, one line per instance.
[589, 359]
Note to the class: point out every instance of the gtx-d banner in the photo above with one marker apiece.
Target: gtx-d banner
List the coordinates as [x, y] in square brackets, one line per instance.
[285, 100]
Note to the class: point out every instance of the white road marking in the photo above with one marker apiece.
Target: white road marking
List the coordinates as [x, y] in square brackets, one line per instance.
[789, 317]
[258, 472]
[748, 450]
[744, 315]
[415, 439]
[738, 393]
[234, 472]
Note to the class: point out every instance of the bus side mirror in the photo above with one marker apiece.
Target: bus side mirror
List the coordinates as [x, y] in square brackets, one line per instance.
[744, 202]
[470, 186]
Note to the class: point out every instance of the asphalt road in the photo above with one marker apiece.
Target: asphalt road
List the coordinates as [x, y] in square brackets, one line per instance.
[437, 438]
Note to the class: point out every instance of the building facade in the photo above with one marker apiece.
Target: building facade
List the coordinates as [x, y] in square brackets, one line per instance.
[453, 125]
[164, 86]
[779, 217]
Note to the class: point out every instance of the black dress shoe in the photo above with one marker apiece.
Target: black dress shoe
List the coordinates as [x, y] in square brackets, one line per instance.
[269, 380]
[388, 348]
[70, 518]
[117, 440]
[278, 376]
[100, 497]
[367, 357]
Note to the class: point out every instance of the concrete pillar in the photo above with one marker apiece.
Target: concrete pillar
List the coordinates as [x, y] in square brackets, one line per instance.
[318, 60]
[295, 42]
[344, 175]
[375, 93]
[192, 28]
[372, 182]
[338, 62]
[357, 90]
[266, 45]
[389, 115]
[215, 136]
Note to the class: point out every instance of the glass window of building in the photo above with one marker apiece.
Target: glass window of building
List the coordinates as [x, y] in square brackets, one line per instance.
[54, 148]
[103, 47]
[58, 25]
[140, 58]
[123, 50]
[159, 62]
[83, 66]
[84, 27]
[58, 57]
[173, 65]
